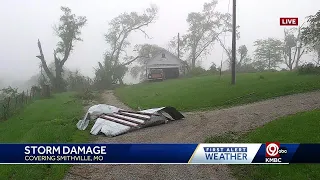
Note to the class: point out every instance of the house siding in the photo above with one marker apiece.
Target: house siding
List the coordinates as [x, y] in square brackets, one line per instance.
[169, 61]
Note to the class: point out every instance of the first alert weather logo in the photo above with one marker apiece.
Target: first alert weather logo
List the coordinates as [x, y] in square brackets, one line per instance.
[218, 153]
[62, 153]
[226, 153]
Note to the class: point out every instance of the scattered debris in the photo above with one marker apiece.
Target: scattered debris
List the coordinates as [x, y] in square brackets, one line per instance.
[113, 121]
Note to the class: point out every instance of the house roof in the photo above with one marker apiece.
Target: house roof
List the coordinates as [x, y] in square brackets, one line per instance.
[173, 55]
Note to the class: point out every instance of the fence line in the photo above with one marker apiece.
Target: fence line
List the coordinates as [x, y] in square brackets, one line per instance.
[10, 105]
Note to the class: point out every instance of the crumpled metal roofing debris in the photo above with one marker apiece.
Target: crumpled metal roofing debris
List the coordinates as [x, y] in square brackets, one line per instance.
[113, 121]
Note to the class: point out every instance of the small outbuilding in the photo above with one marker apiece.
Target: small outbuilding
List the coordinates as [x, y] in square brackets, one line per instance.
[171, 65]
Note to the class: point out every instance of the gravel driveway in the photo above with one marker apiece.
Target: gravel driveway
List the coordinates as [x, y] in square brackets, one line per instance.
[194, 129]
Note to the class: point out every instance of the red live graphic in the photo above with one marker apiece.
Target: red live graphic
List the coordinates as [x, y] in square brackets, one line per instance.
[288, 21]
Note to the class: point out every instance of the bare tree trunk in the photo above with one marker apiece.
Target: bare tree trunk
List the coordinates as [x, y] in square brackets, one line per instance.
[120, 81]
[193, 65]
[45, 91]
[290, 60]
[193, 61]
[269, 60]
[59, 84]
[178, 46]
[318, 62]
[56, 81]
[220, 68]
[44, 63]
[299, 47]
[298, 58]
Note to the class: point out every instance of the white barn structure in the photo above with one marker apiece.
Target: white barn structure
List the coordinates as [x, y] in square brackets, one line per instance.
[171, 65]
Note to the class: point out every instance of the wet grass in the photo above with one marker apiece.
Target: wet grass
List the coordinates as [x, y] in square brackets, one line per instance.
[44, 121]
[299, 128]
[209, 92]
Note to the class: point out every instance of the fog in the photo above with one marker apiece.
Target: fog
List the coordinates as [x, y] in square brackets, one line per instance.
[23, 22]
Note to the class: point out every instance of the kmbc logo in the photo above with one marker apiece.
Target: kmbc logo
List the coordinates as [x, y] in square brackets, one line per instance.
[273, 152]
[272, 149]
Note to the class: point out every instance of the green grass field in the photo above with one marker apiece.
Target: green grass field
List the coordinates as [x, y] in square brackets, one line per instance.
[300, 128]
[44, 121]
[208, 92]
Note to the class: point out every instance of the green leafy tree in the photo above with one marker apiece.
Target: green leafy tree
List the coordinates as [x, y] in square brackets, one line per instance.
[268, 53]
[176, 45]
[204, 29]
[145, 52]
[310, 35]
[103, 76]
[78, 82]
[317, 51]
[243, 56]
[290, 41]
[117, 38]
[243, 60]
[292, 48]
[8, 92]
[213, 68]
[68, 31]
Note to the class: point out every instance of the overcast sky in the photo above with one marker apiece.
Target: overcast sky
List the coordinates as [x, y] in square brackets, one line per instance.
[24, 21]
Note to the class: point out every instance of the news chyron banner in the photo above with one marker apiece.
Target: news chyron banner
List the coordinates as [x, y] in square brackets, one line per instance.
[266, 153]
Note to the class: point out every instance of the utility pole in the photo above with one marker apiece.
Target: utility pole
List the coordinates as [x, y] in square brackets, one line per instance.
[234, 32]
[178, 46]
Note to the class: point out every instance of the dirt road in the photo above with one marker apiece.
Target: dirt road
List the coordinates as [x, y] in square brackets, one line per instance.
[194, 129]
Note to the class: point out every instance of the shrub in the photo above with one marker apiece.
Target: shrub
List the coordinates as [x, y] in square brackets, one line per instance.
[309, 69]
[261, 77]
[197, 71]
[77, 82]
[271, 70]
[85, 95]
[245, 68]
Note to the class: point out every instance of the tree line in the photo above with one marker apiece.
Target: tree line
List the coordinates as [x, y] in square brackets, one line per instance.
[205, 28]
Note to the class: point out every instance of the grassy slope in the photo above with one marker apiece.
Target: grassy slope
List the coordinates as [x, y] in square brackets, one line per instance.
[300, 128]
[210, 91]
[44, 121]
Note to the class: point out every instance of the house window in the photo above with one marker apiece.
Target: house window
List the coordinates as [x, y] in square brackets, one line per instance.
[163, 55]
